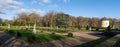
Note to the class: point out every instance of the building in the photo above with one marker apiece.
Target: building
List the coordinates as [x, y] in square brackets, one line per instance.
[105, 22]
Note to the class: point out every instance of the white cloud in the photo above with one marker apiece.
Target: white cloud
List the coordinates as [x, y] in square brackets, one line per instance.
[9, 4]
[45, 1]
[42, 2]
[28, 11]
[13, 2]
[21, 11]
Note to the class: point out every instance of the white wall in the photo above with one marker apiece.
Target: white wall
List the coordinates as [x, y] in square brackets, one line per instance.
[105, 23]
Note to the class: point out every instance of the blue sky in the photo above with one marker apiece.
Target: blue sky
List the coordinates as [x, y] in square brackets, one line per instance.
[86, 8]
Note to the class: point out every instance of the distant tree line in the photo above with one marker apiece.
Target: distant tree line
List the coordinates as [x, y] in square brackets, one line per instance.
[58, 19]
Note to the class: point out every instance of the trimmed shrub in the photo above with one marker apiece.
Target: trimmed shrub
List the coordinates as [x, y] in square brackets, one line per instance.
[41, 31]
[70, 34]
[97, 29]
[53, 33]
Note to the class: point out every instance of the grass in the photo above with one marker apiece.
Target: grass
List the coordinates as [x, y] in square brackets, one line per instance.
[48, 37]
[93, 43]
[102, 42]
[110, 42]
[28, 36]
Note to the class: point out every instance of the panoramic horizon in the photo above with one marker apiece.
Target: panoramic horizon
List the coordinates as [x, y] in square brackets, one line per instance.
[86, 8]
[59, 23]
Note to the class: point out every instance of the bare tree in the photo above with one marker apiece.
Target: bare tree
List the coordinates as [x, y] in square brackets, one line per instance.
[95, 22]
[49, 19]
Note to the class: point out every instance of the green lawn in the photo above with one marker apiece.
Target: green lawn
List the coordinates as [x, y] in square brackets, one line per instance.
[28, 36]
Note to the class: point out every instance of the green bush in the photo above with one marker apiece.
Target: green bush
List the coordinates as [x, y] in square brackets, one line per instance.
[70, 34]
[53, 32]
[97, 29]
[41, 31]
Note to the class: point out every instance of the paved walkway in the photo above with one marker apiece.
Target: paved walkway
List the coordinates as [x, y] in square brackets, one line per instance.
[80, 38]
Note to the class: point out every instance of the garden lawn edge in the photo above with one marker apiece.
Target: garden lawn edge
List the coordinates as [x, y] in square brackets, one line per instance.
[110, 42]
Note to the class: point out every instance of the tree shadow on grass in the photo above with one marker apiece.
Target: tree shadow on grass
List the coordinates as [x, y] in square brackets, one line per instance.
[94, 43]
